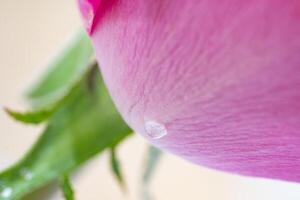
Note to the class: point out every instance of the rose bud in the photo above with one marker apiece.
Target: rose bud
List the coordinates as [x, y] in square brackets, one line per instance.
[215, 82]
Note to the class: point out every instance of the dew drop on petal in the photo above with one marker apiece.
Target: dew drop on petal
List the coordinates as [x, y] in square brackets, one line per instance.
[155, 130]
[6, 192]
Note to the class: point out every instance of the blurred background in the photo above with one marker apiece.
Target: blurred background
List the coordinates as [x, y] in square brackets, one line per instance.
[31, 31]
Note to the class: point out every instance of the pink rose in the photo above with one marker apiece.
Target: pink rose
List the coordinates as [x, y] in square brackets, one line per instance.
[215, 82]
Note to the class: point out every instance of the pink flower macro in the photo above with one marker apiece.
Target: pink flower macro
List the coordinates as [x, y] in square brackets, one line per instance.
[215, 82]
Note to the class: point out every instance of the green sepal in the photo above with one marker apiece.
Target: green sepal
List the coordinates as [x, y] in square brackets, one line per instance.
[62, 73]
[84, 125]
[152, 159]
[116, 169]
[66, 187]
[31, 117]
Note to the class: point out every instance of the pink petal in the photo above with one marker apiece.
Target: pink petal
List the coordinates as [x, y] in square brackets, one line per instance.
[93, 10]
[216, 82]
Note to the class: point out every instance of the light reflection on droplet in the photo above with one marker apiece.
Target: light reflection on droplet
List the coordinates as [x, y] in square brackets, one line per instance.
[6, 192]
[26, 174]
[155, 130]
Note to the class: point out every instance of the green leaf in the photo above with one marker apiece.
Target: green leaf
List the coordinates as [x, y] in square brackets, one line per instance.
[85, 124]
[63, 73]
[41, 115]
[49, 92]
[66, 187]
[31, 117]
[116, 169]
[152, 160]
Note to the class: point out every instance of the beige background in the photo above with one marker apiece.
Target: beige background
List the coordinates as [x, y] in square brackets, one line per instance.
[30, 32]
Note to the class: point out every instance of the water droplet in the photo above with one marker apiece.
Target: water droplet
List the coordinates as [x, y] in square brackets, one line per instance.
[155, 130]
[26, 174]
[6, 192]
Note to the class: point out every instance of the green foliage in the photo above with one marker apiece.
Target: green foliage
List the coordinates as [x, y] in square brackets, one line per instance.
[86, 124]
[152, 160]
[31, 117]
[63, 72]
[48, 94]
[67, 188]
[116, 169]
[81, 122]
